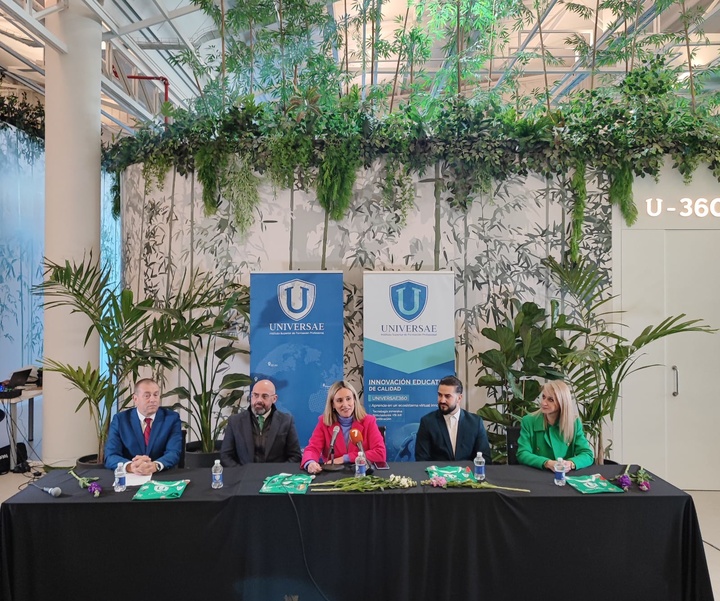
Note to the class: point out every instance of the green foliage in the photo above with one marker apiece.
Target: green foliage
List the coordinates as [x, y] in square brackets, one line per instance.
[529, 350]
[476, 143]
[209, 337]
[136, 334]
[340, 156]
[129, 333]
[23, 115]
[26, 117]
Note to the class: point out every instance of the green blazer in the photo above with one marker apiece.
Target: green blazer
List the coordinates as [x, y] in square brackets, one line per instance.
[538, 444]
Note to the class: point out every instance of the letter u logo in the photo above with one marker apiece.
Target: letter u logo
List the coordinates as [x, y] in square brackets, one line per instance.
[408, 299]
[303, 300]
[296, 298]
[401, 301]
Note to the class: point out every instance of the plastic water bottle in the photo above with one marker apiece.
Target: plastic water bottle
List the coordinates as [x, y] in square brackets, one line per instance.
[479, 462]
[119, 485]
[360, 465]
[217, 475]
[559, 472]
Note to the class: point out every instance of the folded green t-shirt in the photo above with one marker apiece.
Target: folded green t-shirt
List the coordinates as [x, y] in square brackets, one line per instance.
[451, 473]
[293, 484]
[161, 490]
[591, 485]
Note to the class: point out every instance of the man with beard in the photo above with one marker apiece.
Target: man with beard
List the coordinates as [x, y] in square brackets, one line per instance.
[262, 434]
[451, 433]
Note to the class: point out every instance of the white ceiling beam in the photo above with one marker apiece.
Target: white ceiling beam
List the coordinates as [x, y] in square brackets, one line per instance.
[33, 26]
[125, 101]
[159, 5]
[125, 44]
[157, 19]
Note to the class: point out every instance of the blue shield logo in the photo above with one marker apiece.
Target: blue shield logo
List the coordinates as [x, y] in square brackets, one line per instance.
[296, 298]
[408, 299]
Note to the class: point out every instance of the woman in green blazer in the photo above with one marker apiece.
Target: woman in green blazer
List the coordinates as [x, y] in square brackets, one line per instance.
[554, 431]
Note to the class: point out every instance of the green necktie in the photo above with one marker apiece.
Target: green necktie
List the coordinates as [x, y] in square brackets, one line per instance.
[261, 422]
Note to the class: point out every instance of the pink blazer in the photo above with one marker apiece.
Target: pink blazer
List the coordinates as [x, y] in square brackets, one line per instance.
[319, 445]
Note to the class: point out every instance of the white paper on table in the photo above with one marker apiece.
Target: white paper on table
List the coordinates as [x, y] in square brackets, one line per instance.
[136, 479]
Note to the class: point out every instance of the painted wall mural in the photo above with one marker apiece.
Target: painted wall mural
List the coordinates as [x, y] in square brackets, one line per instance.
[494, 248]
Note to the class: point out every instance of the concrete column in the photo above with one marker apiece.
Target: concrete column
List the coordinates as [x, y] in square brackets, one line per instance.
[72, 216]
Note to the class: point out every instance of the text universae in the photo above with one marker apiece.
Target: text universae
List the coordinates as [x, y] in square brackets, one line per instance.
[297, 327]
[410, 328]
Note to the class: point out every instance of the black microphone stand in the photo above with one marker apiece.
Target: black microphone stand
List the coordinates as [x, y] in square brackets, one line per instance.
[330, 466]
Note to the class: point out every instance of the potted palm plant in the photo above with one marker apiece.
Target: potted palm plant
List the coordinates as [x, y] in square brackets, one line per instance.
[208, 340]
[131, 336]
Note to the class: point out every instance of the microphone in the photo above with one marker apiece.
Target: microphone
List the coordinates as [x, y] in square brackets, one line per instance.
[336, 431]
[53, 492]
[357, 437]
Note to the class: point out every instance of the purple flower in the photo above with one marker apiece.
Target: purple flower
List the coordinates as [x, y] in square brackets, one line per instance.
[95, 489]
[624, 482]
[644, 485]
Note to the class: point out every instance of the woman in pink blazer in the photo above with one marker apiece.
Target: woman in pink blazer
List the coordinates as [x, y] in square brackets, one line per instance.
[344, 411]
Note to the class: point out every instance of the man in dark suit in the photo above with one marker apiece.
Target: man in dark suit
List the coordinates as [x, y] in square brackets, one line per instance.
[451, 433]
[148, 438]
[262, 434]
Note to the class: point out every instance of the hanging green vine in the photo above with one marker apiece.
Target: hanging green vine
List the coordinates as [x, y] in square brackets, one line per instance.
[336, 176]
[239, 187]
[620, 192]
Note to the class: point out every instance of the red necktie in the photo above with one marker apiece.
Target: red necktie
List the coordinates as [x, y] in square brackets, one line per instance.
[148, 427]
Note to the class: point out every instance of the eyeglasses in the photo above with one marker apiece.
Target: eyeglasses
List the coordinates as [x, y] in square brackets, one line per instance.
[264, 396]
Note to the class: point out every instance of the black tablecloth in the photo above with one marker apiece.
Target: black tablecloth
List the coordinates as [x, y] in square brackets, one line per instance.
[421, 543]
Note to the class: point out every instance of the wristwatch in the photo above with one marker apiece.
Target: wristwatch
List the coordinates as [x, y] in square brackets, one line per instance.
[158, 466]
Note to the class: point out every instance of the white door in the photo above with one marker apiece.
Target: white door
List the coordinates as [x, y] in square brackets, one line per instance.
[677, 436]
[693, 414]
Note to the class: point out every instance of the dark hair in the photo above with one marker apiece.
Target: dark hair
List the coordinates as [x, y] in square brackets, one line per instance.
[452, 381]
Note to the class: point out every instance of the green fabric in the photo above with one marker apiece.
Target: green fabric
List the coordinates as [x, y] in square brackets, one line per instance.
[161, 490]
[538, 444]
[451, 473]
[592, 485]
[261, 421]
[293, 484]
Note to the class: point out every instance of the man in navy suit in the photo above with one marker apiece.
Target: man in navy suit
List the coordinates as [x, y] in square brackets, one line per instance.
[451, 433]
[148, 438]
[262, 434]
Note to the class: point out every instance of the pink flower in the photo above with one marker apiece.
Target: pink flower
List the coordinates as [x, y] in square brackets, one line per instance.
[438, 481]
[644, 485]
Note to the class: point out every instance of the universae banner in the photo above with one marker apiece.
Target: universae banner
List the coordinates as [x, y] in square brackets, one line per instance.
[409, 346]
[296, 339]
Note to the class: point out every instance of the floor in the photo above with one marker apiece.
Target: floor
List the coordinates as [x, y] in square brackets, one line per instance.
[707, 503]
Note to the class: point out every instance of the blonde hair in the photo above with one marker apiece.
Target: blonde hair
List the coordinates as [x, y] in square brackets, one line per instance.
[568, 410]
[329, 415]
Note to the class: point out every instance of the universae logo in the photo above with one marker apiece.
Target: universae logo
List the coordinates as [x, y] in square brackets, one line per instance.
[408, 299]
[296, 298]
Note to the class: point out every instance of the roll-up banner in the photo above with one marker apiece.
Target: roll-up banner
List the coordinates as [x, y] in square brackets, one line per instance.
[296, 339]
[409, 346]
